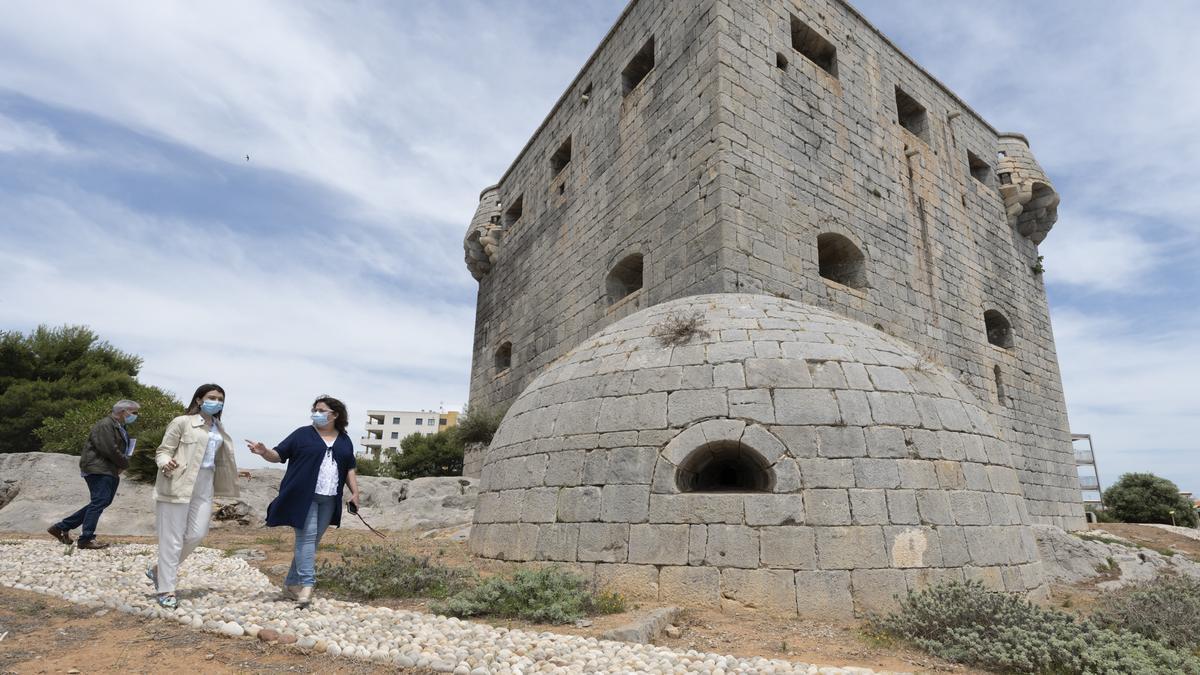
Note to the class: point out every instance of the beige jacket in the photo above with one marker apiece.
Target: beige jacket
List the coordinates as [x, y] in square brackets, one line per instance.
[185, 441]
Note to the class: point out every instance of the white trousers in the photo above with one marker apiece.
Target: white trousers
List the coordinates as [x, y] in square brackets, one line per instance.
[181, 527]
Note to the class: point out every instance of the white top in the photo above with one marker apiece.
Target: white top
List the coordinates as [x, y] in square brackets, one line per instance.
[327, 478]
[214, 442]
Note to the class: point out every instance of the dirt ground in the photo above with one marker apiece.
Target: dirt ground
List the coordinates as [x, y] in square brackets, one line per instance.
[46, 635]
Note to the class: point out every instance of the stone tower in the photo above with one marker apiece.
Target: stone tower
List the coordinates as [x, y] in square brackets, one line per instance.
[855, 250]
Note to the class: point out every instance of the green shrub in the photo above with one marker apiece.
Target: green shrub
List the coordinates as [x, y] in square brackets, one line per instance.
[421, 455]
[969, 624]
[1166, 609]
[369, 466]
[479, 426]
[548, 595]
[371, 572]
[1146, 498]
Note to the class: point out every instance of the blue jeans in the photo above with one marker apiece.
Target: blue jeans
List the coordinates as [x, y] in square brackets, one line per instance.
[103, 488]
[304, 560]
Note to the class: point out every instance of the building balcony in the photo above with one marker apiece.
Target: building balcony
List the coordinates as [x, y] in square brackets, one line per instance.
[1084, 457]
[1089, 483]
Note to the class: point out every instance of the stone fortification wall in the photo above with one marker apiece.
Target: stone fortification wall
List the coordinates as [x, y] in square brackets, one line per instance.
[819, 147]
[762, 129]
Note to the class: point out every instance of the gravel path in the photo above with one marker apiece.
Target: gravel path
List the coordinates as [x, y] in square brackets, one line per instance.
[228, 596]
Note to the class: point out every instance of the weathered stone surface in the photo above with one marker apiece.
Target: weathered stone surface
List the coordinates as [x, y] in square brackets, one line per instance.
[690, 586]
[790, 547]
[603, 542]
[856, 547]
[732, 546]
[635, 582]
[824, 594]
[659, 544]
[770, 591]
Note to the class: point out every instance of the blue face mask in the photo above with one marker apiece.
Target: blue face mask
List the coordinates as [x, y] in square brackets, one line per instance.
[130, 418]
[320, 419]
[211, 407]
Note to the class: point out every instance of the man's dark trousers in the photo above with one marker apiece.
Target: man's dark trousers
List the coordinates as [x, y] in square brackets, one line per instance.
[103, 488]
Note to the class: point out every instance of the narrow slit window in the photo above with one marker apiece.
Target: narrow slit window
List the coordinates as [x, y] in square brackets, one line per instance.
[587, 94]
[781, 61]
[503, 358]
[639, 67]
[513, 213]
[1001, 396]
[561, 157]
[625, 278]
[912, 115]
[839, 260]
[980, 170]
[999, 330]
[813, 46]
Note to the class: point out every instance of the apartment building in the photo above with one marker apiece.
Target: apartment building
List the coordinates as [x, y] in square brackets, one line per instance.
[386, 428]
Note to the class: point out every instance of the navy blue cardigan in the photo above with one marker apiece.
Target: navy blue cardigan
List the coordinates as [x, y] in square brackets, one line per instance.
[304, 450]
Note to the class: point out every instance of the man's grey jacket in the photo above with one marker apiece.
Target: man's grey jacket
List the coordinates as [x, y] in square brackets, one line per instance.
[104, 451]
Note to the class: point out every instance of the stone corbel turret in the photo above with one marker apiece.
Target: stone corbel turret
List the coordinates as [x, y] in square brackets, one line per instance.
[1029, 198]
[482, 242]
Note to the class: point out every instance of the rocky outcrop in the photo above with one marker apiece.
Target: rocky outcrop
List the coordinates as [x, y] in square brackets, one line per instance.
[39, 488]
[1072, 558]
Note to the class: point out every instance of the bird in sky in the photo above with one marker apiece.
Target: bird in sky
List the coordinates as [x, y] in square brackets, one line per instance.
[247, 158]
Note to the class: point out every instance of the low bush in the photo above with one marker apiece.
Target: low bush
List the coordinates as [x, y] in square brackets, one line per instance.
[966, 623]
[479, 426]
[1166, 609]
[548, 595]
[369, 466]
[370, 572]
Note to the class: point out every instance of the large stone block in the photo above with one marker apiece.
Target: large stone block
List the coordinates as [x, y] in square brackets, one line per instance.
[690, 586]
[579, 504]
[774, 509]
[777, 374]
[557, 541]
[806, 406]
[732, 546]
[934, 506]
[644, 411]
[893, 409]
[902, 507]
[770, 591]
[855, 547]
[631, 465]
[868, 507]
[696, 508]
[824, 595]
[876, 473]
[827, 507]
[603, 542]
[625, 503]
[840, 442]
[687, 406]
[969, 508]
[635, 582]
[659, 544]
[913, 546]
[752, 404]
[791, 547]
[566, 469]
[827, 473]
[539, 505]
[877, 591]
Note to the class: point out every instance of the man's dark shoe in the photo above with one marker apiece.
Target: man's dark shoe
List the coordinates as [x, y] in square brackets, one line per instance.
[64, 537]
[92, 544]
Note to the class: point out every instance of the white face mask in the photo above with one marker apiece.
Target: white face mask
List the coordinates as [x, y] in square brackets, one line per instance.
[320, 418]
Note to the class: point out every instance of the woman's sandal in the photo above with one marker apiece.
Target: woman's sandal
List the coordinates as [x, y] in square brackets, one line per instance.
[167, 601]
[152, 575]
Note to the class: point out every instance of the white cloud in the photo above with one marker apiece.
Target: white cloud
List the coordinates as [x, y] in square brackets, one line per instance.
[1100, 255]
[202, 302]
[1133, 387]
[26, 137]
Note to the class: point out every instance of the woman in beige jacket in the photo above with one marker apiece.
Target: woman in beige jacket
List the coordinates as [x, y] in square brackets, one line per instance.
[195, 464]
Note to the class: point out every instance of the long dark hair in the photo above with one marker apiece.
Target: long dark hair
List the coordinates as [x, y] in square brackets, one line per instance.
[194, 407]
[338, 409]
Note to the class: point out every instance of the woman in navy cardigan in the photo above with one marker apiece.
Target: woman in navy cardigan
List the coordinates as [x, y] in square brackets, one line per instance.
[320, 460]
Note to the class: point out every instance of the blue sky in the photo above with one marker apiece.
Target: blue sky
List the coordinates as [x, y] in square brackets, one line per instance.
[331, 260]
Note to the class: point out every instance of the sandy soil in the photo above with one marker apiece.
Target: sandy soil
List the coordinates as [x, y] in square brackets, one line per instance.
[46, 635]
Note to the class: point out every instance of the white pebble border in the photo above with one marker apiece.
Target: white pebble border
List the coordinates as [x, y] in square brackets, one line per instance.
[228, 596]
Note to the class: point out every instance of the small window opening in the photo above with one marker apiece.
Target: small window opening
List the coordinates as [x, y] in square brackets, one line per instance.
[503, 357]
[625, 278]
[781, 61]
[999, 330]
[562, 188]
[1005, 178]
[561, 157]
[980, 170]
[814, 47]
[912, 115]
[726, 466]
[639, 67]
[587, 94]
[1001, 154]
[513, 213]
[838, 259]
[1001, 397]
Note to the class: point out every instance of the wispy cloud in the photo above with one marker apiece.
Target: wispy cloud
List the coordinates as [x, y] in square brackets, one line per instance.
[19, 137]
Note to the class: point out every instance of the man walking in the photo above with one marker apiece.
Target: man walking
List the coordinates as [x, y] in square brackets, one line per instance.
[103, 459]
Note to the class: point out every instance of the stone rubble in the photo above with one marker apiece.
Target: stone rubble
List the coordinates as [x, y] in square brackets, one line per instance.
[228, 596]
